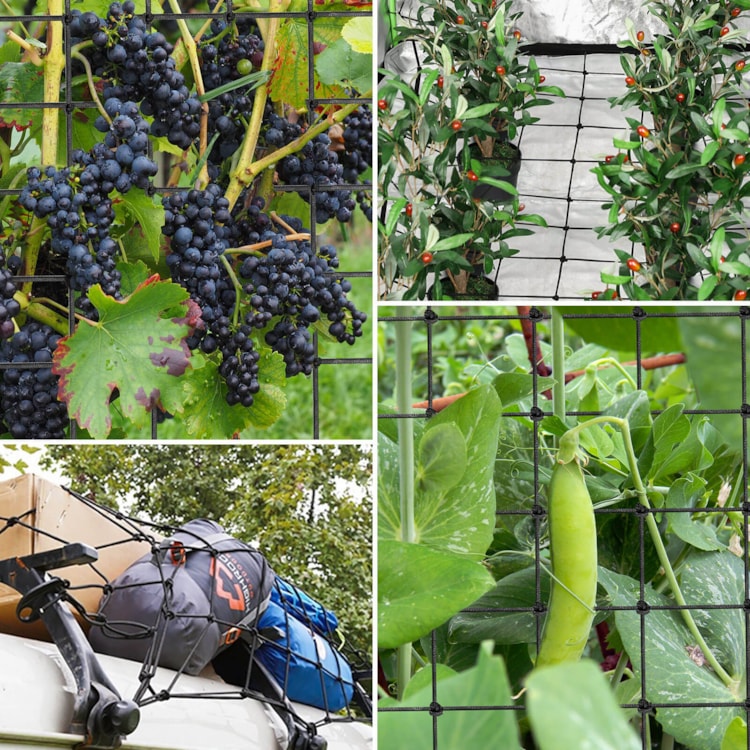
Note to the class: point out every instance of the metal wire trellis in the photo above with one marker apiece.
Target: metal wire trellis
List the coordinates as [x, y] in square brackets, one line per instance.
[438, 331]
[323, 406]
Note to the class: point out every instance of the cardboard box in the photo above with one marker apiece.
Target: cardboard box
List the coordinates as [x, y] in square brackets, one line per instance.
[48, 517]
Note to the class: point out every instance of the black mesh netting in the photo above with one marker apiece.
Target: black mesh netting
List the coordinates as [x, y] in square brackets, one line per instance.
[192, 600]
[564, 260]
[670, 625]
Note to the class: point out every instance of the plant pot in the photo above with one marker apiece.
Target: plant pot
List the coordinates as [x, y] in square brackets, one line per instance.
[492, 193]
[479, 288]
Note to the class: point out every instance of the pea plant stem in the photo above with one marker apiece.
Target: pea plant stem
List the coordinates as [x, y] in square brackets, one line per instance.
[653, 530]
[558, 364]
[406, 469]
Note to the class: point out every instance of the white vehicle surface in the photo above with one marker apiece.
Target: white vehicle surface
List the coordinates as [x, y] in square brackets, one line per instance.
[37, 695]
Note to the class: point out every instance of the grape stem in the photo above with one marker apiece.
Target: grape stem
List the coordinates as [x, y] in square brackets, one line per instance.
[291, 148]
[43, 314]
[92, 87]
[244, 173]
[192, 52]
[294, 237]
[237, 288]
[54, 63]
[21, 42]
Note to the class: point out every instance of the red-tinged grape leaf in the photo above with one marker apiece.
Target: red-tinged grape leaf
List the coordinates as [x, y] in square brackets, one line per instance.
[209, 416]
[20, 82]
[290, 80]
[137, 347]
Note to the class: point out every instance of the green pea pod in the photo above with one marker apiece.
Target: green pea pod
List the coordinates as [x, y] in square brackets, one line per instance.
[572, 531]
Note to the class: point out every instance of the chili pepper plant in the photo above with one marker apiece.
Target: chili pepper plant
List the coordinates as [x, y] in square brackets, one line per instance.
[678, 180]
[622, 544]
[168, 183]
[445, 141]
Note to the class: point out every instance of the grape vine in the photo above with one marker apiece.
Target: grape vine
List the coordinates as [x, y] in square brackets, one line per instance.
[192, 166]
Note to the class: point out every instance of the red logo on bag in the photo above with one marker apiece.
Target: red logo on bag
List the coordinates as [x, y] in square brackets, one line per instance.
[226, 585]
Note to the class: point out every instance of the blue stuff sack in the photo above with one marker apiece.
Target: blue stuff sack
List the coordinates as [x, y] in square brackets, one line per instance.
[300, 656]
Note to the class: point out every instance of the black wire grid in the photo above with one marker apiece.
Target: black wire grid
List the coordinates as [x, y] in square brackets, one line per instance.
[155, 16]
[430, 323]
[564, 260]
[244, 678]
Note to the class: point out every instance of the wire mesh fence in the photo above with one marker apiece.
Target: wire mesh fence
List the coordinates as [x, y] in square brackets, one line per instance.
[661, 436]
[226, 110]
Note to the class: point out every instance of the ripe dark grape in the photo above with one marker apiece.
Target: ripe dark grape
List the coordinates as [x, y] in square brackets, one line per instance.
[315, 167]
[357, 155]
[28, 397]
[137, 65]
[292, 287]
[9, 306]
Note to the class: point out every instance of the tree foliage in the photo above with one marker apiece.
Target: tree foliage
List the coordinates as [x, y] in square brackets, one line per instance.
[308, 507]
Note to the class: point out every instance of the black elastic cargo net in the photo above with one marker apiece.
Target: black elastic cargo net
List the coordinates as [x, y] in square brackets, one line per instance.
[439, 348]
[264, 637]
[159, 17]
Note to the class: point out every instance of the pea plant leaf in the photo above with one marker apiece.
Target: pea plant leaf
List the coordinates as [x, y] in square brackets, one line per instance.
[442, 458]
[515, 591]
[686, 492]
[209, 416]
[461, 517]
[572, 706]
[675, 672]
[137, 347]
[420, 588]
[485, 684]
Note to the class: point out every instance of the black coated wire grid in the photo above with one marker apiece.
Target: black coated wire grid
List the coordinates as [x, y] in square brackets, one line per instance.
[157, 15]
[564, 261]
[426, 327]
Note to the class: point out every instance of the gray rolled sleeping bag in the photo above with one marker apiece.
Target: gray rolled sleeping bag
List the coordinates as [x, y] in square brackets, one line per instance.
[187, 600]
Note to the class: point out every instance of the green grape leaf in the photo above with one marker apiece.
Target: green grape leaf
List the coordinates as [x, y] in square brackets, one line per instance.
[339, 63]
[20, 82]
[132, 275]
[209, 416]
[148, 213]
[137, 347]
